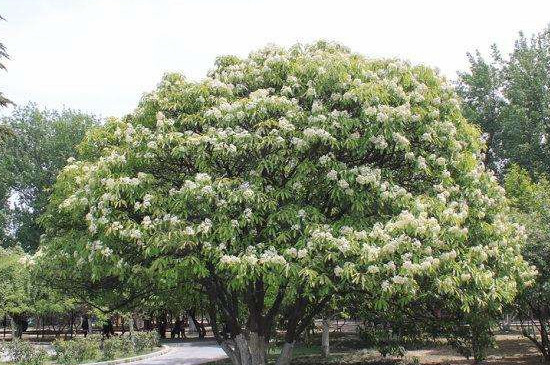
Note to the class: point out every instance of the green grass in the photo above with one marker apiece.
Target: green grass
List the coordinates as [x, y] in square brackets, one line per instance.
[312, 354]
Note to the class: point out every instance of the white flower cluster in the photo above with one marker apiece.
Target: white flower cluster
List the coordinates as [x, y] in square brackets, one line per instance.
[312, 133]
[26, 260]
[379, 142]
[98, 247]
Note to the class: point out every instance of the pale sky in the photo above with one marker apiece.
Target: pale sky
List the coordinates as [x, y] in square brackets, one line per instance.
[100, 56]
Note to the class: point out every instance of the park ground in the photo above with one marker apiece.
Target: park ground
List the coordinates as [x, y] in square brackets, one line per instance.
[346, 349]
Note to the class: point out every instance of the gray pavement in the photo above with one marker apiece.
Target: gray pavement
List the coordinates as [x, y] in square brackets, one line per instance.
[186, 353]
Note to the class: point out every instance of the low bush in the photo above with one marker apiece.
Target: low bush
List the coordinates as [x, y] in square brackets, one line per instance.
[94, 348]
[384, 340]
[144, 341]
[78, 350]
[117, 346]
[24, 353]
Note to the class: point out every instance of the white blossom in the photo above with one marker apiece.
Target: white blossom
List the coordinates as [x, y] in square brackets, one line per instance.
[379, 142]
[332, 175]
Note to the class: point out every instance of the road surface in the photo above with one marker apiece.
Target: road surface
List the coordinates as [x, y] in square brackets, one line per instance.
[186, 353]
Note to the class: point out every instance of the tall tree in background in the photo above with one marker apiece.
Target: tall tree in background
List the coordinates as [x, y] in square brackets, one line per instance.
[530, 200]
[483, 102]
[4, 131]
[3, 54]
[41, 142]
[510, 100]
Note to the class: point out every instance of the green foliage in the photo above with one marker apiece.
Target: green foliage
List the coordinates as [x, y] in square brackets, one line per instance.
[117, 346]
[508, 98]
[39, 143]
[22, 291]
[384, 340]
[531, 202]
[145, 341]
[78, 350]
[15, 286]
[94, 348]
[3, 100]
[24, 353]
[472, 337]
[480, 89]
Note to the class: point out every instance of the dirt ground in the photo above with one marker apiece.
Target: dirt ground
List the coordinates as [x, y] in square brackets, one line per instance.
[511, 349]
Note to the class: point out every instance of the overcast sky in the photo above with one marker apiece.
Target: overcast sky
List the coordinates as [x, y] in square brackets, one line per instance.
[100, 56]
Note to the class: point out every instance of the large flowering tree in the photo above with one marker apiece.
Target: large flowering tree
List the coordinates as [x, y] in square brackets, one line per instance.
[282, 179]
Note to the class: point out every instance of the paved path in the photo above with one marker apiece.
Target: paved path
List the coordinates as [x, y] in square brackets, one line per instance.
[186, 353]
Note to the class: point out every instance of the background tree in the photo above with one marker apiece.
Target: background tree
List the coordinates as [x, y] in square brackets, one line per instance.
[39, 145]
[531, 202]
[481, 91]
[22, 294]
[3, 55]
[283, 179]
[15, 296]
[5, 132]
[509, 99]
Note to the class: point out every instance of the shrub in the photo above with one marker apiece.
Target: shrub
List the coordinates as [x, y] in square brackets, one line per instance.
[117, 346]
[24, 353]
[144, 341]
[78, 350]
[93, 347]
[125, 345]
[392, 349]
[384, 340]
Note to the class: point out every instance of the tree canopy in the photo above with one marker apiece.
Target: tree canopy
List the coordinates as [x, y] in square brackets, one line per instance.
[530, 199]
[21, 291]
[3, 54]
[285, 178]
[32, 155]
[509, 99]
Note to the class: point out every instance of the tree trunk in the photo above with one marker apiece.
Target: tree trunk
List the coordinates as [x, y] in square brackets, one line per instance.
[325, 337]
[198, 326]
[286, 354]
[13, 328]
[131, 324]
[18, 326]
[161, 325]
[191, 322]
[243, 350]
[258, 347]
[246, 351]
[71, 326]
[230, 352]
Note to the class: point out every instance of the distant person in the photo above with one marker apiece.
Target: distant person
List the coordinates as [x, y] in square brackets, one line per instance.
[177, 329]
[85, 325]
[108, 329]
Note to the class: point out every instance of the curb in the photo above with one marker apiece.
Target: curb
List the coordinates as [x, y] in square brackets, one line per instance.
[164, 350]
[219, 360]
